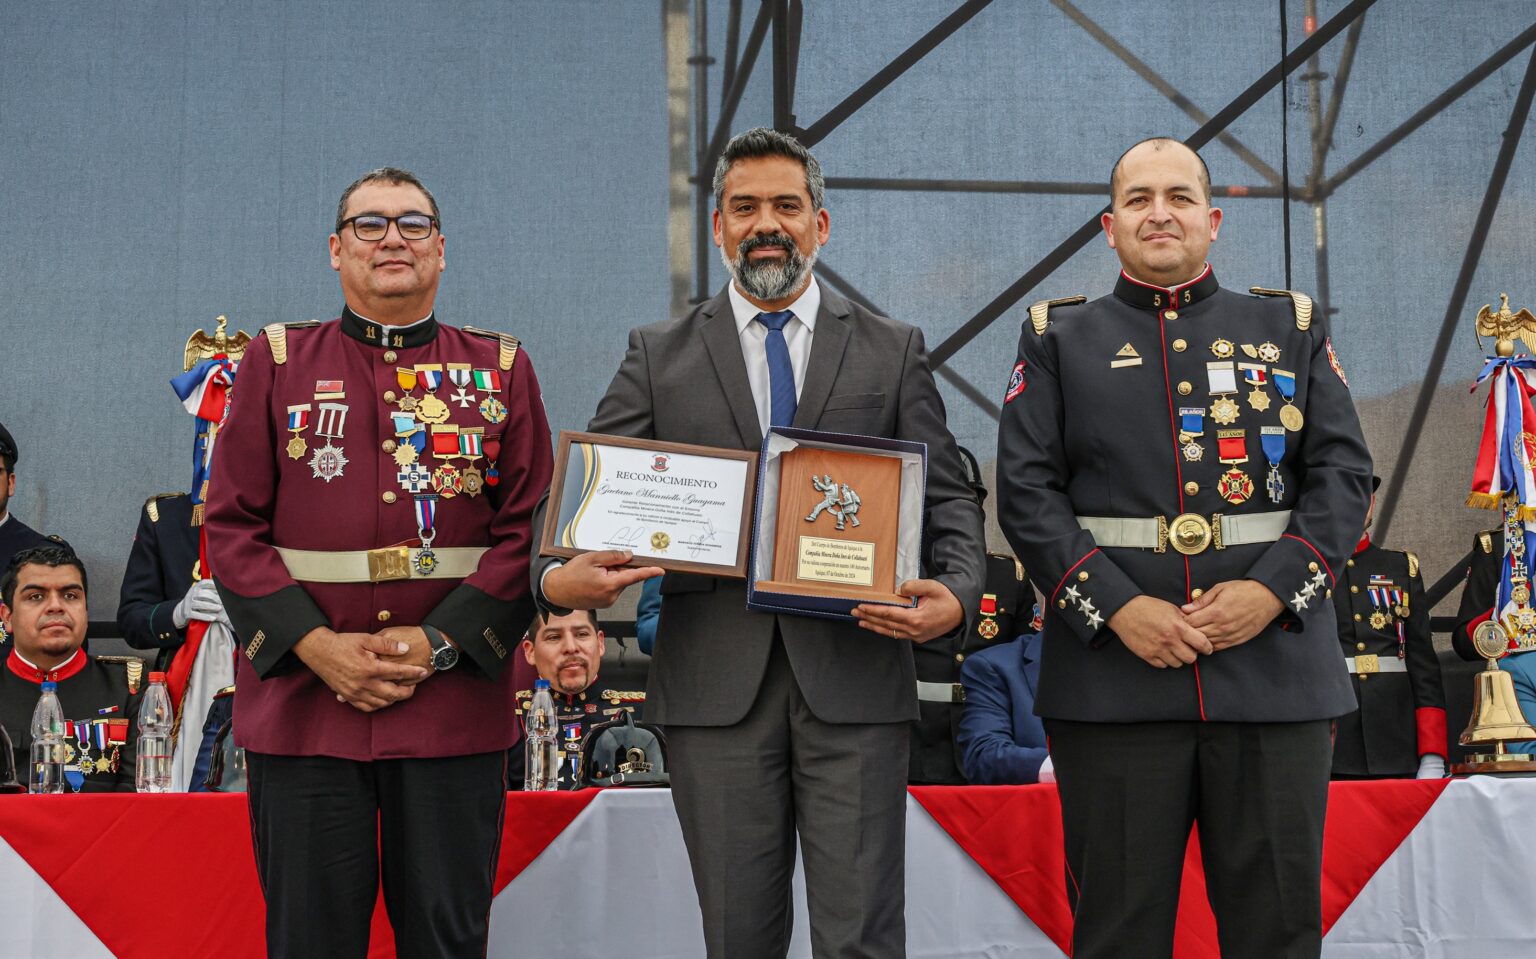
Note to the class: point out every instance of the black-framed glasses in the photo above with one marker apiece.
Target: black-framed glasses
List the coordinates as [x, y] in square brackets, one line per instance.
[371, 227]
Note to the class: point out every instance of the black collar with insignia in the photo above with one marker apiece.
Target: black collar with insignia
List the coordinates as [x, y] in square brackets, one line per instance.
[1146, 297]
[377, 334]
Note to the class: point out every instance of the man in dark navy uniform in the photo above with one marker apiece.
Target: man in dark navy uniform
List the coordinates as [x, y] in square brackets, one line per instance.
[1182, 472]
[163, 588]
[15, 535]
[368, 527]
[1399, 729]
[44, 596]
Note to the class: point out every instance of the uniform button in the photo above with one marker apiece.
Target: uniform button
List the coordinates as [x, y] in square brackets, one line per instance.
[389, 446]
[389, 496]
[1180, 346]
[390, 356]
[1328, 594]
[1312, 567]
[1196, 593]
[384, 618]
[1354, 589]
[1184, 388]
[1170, 314]
[1349, 563]
[959, 657]
[1061, 604]
[1191, 488]
[1360, 646]
[1357, 617]
[1364, 677]
[389, 396]
[1082, 577]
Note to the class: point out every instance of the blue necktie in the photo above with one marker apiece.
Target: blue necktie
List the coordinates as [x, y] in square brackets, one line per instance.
[781, 373]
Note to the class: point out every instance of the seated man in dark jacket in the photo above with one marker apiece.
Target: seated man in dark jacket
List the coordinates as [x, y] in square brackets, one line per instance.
[1001, 739]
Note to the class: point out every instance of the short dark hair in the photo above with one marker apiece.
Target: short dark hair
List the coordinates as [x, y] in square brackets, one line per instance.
[386, 174]
[539, 620]
[1162, 142]
[39, 556]
[764, 142]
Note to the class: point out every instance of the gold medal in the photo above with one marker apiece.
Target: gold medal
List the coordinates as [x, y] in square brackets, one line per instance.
[473, 481]
[1269, 352]
[1224, 411]
[493, 410]
[432, 410]
[1235, 486]
[1223, 349]
[297, 447]
[1259, 399]
[987, 628]
[1520, 595]
[408, 403]
[660, 541]
[1192, 451]
[1291, 418]
[1379, 620]
[405, 455]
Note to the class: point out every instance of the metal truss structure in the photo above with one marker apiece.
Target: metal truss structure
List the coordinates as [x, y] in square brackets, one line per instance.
[1314, 187]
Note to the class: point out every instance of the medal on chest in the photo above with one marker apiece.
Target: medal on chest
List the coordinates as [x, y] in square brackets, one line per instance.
[1234, 486]
[1221, 377]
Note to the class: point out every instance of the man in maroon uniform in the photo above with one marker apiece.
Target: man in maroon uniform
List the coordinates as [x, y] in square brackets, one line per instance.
[369, 532]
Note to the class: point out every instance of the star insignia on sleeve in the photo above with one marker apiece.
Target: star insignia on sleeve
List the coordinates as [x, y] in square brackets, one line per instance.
[1300, 600]
[1318, 580]
[1072, 594]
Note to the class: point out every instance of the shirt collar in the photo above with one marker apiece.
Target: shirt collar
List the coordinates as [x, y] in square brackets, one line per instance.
[805, 307]
[5, 517]
[19, 665]
[364, 330]
[1149, 297]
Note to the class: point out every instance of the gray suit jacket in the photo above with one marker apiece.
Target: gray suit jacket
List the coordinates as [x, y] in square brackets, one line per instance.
[685, 381]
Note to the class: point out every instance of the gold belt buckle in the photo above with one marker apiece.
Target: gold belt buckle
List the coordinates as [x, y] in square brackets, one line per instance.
[388, 564]
[1189, 533]
[1367, 663]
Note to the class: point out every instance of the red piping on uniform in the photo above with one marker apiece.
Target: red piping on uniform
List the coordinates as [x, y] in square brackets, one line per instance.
[1314, 550]
[1069, 572]
[74, 664]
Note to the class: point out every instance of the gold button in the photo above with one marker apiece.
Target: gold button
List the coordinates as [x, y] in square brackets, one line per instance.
[389, 446]
[1170, 314]
[1354, 589]
[1061, 604]
[1360, 646]
[390, 356]
[1364, 677]
[1312, 567]
[389, 396]
[1180, 346]
[389, 496]
[1082, 577]
[384, 618]
[959, 657]
[1349, 562]
[1357, 617]
[1328, 594]
[1184, 388]
[1196, 593]
[1191, 487]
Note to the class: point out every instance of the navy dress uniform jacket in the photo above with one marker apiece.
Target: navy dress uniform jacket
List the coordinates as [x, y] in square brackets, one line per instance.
[1084, 434]
[158, 575]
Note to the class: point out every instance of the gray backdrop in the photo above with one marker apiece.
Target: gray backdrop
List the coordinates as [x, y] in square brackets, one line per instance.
[166, 162]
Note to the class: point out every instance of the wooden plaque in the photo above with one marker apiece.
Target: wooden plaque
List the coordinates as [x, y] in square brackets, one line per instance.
[860, 492]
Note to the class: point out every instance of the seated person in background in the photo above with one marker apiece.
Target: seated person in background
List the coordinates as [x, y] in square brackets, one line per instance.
[648, 614]
[161, 592]
[1476, 608]
[568, 650]
[15, 535]
[1399, 729]
[43, 592]
[1001, 740]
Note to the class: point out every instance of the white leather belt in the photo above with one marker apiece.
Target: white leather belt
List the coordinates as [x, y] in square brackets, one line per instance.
[1371, 663]
[1189, 533]
[381, 565]
[940, 692]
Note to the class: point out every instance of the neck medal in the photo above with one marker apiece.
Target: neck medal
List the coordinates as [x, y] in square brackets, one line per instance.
[1285, 385]
[1191, 428]
[1222, 379]
[1254, 376]
[1272, 439]
[1234, 486]
[298, 422]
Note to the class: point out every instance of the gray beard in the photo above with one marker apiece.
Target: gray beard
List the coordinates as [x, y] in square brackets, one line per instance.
[769, 280]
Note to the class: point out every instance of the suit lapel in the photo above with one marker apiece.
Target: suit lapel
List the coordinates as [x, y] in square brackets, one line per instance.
[724, 346]
[827, 347]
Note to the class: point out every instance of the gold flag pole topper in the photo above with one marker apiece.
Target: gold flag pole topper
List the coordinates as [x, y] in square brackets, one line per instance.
[201, 346]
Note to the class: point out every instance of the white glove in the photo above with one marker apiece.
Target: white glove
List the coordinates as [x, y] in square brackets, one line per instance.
[201, 602]
[1047, 772]
[1431, 766]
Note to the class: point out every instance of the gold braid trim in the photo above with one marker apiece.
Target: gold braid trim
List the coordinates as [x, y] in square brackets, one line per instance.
[1040, 312]
[1301, 301]
[507, 342]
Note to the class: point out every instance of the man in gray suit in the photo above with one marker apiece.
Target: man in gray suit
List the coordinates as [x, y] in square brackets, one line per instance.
[786, 724]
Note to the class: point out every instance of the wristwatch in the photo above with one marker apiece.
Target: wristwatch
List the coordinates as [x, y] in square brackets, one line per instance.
[445, 655]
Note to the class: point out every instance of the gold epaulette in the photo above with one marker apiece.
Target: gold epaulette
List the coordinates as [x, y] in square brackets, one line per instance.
[1413, 562]
[1301, 301]
[1485, 540]
[133, 665]
[152, 505]
[1018, 567]
[507, 341]
[1040, 312]
[277, 337]
[617, 696]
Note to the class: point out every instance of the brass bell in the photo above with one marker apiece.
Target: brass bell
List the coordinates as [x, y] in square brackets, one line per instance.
[1496, 716]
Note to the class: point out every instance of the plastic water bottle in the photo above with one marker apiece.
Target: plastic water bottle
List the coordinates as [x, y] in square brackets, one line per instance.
[153, 773]
[47, 773]
[541, 755]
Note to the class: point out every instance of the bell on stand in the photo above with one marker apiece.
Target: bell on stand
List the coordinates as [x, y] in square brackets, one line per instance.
[1496, 716]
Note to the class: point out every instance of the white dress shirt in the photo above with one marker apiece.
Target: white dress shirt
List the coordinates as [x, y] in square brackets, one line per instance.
[754, 344]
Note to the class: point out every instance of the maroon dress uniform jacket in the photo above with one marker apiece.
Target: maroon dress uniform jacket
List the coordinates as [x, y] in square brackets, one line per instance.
[262, 498]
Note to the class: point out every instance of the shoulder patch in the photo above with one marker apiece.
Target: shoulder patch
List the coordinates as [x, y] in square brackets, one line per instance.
[1301, 301]
[152, 505]
[507, 342]
[1040, 312]
[132, 665]
[1015, 383]
[277, 336]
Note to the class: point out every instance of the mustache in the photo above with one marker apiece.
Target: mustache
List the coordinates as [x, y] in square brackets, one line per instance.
[576, 661]
[64, 621]
[766, 241]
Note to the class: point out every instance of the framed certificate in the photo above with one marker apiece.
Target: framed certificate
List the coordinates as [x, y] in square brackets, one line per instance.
[675, 505]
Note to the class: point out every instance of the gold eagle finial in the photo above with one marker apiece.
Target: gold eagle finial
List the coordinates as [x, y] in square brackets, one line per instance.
[201, 346]
[1504, 326]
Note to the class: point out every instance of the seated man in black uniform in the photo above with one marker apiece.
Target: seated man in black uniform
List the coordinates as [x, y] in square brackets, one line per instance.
[162, 587]
[44, 609]
[567, 650]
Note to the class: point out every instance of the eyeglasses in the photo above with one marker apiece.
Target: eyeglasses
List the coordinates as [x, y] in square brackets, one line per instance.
[371, 227]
